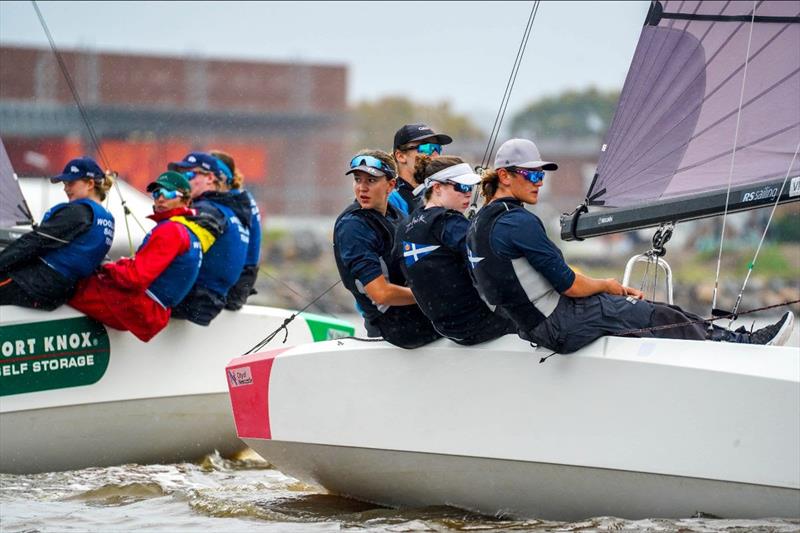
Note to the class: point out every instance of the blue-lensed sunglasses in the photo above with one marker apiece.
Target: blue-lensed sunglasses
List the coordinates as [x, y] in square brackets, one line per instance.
[192, 174]
[460, 187]
[429, 148]
[169, 195]
[534, 176]
[372, 162]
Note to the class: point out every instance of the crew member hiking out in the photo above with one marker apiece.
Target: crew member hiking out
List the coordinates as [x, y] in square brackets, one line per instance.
[41, 268]
[518, 269]
[410, 141]
[363, 244]
[222, 264]
[136, 294]
[435, 260]
[244, 286]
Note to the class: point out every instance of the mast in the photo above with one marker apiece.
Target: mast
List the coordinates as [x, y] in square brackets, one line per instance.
[701, 112]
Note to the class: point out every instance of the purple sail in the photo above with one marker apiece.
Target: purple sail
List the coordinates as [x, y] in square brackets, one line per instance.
[673, 132]
[12, 203]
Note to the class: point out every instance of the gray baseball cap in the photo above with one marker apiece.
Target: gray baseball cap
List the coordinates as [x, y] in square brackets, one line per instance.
[521, 153]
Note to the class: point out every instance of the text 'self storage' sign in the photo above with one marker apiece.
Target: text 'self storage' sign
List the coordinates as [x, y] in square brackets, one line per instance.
[52, 355]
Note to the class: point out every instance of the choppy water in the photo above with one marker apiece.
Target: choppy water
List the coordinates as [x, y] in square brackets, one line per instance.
[248, 495]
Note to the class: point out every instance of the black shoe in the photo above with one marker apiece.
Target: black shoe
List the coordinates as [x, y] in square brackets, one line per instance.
[775, 334]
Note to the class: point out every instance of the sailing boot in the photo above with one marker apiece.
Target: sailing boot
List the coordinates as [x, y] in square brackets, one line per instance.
[775, 334]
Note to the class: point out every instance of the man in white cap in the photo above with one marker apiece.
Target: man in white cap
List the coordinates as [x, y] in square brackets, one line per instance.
[521, 271]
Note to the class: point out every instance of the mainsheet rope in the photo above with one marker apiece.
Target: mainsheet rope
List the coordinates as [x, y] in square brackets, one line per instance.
[85, 117]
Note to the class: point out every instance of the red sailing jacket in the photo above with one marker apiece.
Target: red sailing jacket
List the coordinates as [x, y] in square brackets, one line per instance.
[116, 295]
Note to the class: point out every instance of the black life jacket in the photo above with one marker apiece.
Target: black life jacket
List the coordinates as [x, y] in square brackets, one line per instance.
[512, 286]
[385, 228]
[405, 326]
[439, 276]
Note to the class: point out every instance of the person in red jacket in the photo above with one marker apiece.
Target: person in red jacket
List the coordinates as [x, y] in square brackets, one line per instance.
[137, 294]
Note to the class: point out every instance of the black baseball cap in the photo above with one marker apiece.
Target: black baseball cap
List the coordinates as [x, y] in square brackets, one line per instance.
[419, 132]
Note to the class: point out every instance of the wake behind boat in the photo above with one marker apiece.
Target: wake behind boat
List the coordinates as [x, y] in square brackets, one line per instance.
[74, 394]
[626, 427]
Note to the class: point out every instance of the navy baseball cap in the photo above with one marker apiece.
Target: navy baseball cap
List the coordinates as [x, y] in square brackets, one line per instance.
[206, 162]
[80, 168]
[419, 132]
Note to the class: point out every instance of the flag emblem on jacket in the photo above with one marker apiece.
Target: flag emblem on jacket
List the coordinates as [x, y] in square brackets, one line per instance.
[472, 259]
[413, 252]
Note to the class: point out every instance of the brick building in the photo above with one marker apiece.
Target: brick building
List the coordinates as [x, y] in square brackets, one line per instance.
[283, 123]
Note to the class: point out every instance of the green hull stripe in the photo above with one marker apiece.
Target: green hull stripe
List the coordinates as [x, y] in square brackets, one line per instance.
[325, 328]
[52, 355]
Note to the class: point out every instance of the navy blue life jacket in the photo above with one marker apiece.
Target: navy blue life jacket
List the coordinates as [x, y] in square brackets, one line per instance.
[385, 229]
[83, 254]
[174, 283]
[254, 245]
[439, 276]
[223, 262]
[509, 285]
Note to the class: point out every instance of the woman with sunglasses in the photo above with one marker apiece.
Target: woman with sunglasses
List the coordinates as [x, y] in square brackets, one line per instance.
[435, 255]
[363, 244]
[410, 142]
[41, 268]
[137, 294]
[522, 272]
[210, 180]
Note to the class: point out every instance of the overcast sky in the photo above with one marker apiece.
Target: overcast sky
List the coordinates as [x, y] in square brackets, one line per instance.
[429, 51]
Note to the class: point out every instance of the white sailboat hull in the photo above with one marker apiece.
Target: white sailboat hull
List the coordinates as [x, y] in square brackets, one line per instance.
[626, 427]
[161, 401]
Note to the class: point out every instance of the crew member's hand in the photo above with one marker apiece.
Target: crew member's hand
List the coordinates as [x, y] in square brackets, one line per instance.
[615, 287]
[636, 293]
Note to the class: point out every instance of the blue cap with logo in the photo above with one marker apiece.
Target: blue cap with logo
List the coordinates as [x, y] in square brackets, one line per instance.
[80, 168]
[205, 161]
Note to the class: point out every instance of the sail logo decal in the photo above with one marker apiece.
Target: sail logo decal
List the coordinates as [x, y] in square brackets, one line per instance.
[761, 194]
[238, 377]
[794, 187]
[50, 355]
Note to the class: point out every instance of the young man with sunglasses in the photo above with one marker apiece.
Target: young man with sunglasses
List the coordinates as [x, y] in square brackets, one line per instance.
[210, 180]
[521, 271]
[364, 247]
[409, 141]
[137, 294]
[435, 258]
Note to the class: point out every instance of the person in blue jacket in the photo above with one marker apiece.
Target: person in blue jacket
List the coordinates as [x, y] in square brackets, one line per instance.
[364, 248]
[223, 263]
[435, 260]
[244, 287]
[41, 268]
[521, 271]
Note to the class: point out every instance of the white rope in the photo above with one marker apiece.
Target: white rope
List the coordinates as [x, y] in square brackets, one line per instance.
[733, 157]
[752, 264]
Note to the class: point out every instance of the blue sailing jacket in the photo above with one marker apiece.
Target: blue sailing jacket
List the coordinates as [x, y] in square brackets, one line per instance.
[223, 262]
[83, 254]
[254, 246]
[172, 286]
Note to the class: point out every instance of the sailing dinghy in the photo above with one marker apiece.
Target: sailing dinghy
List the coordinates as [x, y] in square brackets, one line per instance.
[708, 123]
[76, 394]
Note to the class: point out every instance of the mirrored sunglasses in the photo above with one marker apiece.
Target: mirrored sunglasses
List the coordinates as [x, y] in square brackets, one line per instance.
[372, 162]
[169, 195]
[192, 174]
[460, 187]
[429, 148]
[534, 176]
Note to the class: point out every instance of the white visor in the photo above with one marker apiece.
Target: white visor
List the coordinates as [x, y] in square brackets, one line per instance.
[461, 173]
